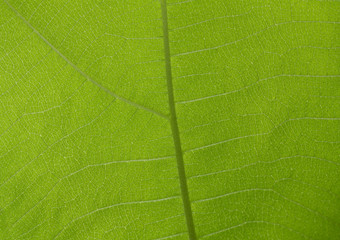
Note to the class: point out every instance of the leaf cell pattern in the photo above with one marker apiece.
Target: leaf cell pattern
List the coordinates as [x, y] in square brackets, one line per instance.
[178, 119]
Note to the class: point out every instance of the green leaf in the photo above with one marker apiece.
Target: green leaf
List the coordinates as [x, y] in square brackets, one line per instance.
[185, 119]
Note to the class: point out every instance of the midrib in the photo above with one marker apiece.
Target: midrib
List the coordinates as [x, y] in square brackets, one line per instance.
[174, 127]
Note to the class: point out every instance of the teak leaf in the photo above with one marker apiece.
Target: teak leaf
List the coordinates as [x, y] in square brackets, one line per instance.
[177, 119]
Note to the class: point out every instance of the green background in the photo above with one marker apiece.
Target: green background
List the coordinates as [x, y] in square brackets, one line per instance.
[86, 145]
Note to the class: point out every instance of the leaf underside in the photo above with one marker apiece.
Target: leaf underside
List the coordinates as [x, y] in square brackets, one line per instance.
[178, 119]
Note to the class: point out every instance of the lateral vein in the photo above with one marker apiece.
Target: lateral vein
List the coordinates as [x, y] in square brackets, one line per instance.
[80, 71]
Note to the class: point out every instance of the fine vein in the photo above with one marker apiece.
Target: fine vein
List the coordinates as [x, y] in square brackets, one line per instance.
[174, 127]
[80, 71]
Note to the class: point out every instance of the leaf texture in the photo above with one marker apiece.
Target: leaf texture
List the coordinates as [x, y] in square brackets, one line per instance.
[178, 119]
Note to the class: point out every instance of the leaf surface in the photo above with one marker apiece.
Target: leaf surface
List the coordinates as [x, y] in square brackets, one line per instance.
[178, 119]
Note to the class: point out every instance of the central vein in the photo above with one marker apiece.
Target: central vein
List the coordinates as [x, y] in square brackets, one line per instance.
[174, 127]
